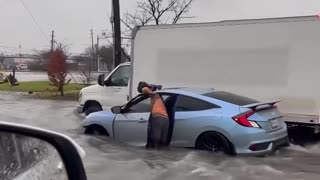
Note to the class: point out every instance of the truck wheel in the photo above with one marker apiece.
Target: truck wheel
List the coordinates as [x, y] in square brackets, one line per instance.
[92, 108]
[214, 142]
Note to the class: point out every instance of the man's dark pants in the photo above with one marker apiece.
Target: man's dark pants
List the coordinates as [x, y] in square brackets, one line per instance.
[159, 131]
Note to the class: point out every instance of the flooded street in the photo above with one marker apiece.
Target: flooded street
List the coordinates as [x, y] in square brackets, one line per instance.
[106, 159]
[43, 76]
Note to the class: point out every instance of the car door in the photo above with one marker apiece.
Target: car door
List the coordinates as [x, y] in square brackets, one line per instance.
[131, 126]
[191, 115]
[116, 91]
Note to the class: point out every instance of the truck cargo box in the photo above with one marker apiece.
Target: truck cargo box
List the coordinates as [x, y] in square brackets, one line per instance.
[266, 59]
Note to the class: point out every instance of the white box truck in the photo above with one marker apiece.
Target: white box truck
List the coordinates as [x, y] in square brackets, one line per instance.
[276, 58]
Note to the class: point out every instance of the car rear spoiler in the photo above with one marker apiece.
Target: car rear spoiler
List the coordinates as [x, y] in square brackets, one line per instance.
[255, 105]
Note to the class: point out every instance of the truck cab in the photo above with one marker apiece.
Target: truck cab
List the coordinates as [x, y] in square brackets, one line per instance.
[100, 96]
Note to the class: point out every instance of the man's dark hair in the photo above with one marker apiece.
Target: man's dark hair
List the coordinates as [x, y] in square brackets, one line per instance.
[141, 85]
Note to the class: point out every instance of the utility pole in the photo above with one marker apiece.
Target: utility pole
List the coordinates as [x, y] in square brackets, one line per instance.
[52, 40]
[90, 63]
[20, 54]
[116, 32]
[97, 51]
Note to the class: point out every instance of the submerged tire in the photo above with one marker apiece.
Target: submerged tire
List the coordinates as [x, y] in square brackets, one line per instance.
[214, 142]
[96, 130]
[92, 108]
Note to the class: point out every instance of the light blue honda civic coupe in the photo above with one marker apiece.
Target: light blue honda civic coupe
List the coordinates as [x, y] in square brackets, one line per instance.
[201, 118]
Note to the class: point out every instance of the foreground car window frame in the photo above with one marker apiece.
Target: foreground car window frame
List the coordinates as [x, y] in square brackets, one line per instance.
[63, 144]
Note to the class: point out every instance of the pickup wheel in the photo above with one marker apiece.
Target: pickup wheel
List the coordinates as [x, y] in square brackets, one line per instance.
[92, 107]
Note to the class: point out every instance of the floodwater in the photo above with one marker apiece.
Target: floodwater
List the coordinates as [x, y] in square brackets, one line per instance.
[43, 76]
[106, 159]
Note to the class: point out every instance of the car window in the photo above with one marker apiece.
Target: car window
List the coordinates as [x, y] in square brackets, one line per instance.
[165, 97]
[231, 98]
[141, 105]
[120, 77]
[186, 103]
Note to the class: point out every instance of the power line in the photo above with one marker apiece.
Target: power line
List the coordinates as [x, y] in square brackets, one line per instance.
[34, 20]
[108, 13]
[107, 38]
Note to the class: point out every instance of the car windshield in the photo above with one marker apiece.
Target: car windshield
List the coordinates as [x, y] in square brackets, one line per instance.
[231, 98]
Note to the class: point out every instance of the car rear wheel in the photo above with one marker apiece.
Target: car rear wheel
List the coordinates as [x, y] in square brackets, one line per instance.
[214, 142]
[92, 108]
[96, 130]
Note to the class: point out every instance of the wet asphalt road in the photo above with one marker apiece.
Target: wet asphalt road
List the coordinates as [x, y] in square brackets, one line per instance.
[106, 159]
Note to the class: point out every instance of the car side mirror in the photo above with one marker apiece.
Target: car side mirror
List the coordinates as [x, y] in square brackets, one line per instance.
[101, 78]
[116, 110]
[27, 152]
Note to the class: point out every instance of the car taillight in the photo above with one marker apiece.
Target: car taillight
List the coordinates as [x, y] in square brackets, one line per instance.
[242, 119]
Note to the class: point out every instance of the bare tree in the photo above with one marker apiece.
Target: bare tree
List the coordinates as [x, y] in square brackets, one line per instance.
[157, 12]
[84, 77]
[138, 18]
[180, 9]
[83, 74]
[152, 12]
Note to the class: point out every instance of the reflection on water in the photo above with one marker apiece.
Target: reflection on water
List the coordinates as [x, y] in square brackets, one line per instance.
[23, 157]
[107, 159]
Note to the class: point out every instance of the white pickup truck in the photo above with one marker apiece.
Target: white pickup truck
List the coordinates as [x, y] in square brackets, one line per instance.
[114, 90]
[264, 59]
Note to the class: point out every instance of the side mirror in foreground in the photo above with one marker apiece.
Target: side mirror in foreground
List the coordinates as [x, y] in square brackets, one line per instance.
[33, 153]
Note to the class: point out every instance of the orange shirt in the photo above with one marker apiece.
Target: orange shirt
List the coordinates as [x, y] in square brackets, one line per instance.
[158, 107]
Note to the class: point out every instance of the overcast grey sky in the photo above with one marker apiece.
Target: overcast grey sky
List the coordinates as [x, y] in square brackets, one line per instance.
[73, 19]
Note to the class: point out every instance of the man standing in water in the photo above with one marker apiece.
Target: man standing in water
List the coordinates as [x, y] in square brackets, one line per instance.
[159, 119]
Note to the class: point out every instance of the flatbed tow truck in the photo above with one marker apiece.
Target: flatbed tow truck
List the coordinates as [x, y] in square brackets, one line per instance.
[302, 128]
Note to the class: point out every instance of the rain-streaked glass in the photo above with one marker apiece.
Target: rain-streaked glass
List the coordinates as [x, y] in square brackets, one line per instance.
[23, 157]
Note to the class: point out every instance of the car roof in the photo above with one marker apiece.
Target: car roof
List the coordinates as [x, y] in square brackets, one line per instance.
[187, 90]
